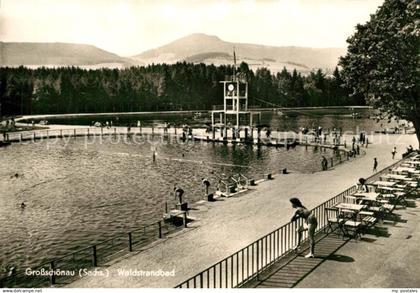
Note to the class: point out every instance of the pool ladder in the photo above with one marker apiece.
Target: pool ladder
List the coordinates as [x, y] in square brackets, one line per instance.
[233, 183]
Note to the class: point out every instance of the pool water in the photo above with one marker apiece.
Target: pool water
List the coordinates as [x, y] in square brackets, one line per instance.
[79, 192]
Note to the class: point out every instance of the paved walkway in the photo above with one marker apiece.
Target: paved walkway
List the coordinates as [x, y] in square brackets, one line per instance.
[223, 227]
[388, 261]
[290, 273]
[387, 257]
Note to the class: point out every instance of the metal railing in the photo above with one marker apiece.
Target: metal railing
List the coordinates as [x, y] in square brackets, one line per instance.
[240, 181]
[249, 262]
[89, 257]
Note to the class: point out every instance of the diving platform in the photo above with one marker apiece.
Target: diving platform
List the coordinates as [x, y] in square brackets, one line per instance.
[235, 114]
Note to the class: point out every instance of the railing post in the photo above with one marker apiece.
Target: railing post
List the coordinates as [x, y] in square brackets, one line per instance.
[258, 258]
[34, 136]
[52, 277]
[74, 132]
[88, 132]
[332, 162]
[94, 256]
[21, 137]
[61, 133]
[130, 242]
[160, 229]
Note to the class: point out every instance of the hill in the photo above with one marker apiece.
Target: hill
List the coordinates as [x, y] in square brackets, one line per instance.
[59, 54]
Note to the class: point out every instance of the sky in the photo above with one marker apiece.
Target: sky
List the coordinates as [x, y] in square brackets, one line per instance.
[129, 27]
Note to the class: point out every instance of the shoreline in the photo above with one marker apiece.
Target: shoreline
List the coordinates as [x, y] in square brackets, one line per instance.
[106, 114]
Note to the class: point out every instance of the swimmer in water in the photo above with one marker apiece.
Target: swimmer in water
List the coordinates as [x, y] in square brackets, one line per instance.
[22, 205]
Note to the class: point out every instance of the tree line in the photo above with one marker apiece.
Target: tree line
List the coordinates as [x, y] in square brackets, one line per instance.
[160, 87]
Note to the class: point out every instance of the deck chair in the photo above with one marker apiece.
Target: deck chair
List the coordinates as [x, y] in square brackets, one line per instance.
[334, 221]
[353, 229]
[370, 187]
[383, 211]
[400, 198]
[368, 220]
[350, 199]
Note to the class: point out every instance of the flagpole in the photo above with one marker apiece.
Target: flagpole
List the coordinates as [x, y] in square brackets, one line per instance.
[234, 64]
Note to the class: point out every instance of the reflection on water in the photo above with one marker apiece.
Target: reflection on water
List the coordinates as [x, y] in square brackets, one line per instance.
[78, 194]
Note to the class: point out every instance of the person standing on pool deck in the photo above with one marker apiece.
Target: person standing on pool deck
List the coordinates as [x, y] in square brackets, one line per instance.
[206, 183]
[178, 193]
[375, 165]
[394, 151]
[310, 224]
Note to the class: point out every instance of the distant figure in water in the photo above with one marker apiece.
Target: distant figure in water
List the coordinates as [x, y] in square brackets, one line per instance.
[16, 175]
[22, 205]
[9, 270]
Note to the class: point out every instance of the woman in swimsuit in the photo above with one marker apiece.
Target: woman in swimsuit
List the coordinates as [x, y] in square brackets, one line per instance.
[310, 224]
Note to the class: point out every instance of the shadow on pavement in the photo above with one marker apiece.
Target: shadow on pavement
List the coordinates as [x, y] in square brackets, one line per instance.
[339, 258]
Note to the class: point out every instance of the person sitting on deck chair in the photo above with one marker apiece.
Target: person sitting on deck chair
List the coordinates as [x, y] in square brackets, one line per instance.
[310, 224]
[362, 185]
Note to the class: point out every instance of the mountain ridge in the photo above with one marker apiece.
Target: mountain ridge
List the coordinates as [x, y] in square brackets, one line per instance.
[58, 54]
[195, 44]
[194, 48]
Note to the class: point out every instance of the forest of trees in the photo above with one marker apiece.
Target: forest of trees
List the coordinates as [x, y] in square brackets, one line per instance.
[180, 86]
